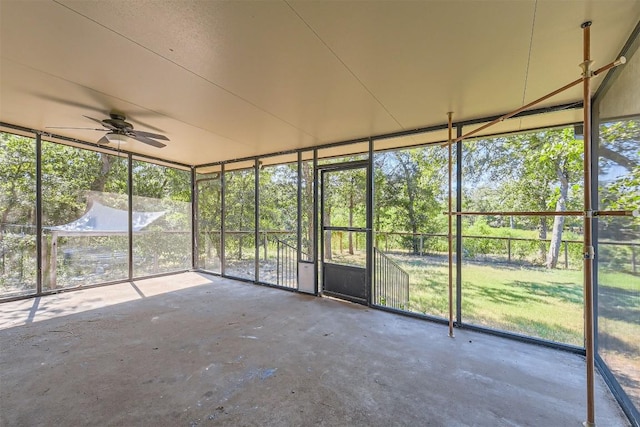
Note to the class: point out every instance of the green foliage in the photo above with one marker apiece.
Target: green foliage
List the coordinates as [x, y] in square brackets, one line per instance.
[410, 192]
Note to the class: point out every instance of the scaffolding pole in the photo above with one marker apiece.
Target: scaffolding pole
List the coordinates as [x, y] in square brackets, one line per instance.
[576, 82]
[588, 216]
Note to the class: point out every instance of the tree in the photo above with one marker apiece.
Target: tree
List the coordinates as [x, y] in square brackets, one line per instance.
[239, 205]
[619, 173]
[410, 191]
[535, 171]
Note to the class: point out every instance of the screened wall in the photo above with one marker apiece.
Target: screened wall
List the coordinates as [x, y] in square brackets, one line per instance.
[66, 209]
[165, 244]
[411, 240]
[523, 273]
[18, 227]
[618, 250]
[278, 220]
[208, 196]
[77, 249]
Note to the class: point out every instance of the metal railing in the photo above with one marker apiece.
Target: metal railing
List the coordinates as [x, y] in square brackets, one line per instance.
[421, 239]
[390, 282]
[286, 265]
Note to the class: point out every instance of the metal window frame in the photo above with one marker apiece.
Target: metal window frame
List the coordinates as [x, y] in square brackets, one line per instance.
[459, 149]
[631, 47]
[38, 147]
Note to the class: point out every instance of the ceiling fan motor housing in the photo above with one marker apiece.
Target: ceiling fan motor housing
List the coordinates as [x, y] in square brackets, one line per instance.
[118, 121]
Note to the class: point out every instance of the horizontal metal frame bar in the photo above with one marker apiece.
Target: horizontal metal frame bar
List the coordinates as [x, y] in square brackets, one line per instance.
[486, 330]
[515, 239]
[357, 164]
[344, 297]
[92, 145]
[524, 338]
[198, 181]
[94, 285]
[540, 213]
[241, 279]
[515, 213]
[353, 229]
[426, 129]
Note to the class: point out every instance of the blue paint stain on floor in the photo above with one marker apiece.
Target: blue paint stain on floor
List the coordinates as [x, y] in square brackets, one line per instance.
[266, 373]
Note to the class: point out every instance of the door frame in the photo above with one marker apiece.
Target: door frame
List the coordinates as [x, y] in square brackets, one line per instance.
[322, 169]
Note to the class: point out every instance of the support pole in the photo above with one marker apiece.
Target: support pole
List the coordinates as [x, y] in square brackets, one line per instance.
[450, 217]
[588, 215]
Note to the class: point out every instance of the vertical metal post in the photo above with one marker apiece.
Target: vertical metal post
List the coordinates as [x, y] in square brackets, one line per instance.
[588, 231]
[595, 155]
[509, 250]
[299, 222]
[256, 230]
[450, 222]
[369, 234]
[278, 262]
[38, 214]
[321, 225]
[222, 221]
[130, 212]
[194, 220]
[459, 226]
[566, 255]
[315, 220]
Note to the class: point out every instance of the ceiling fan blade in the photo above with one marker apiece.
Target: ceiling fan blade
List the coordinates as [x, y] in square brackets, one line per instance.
[68, 102]
[146, 140]
[149, 135]
[106, 125]
[63, 127]
[103, 140]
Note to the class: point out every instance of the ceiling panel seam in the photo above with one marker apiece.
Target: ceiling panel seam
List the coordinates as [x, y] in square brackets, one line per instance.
[190, 72]
[526, 73]
[315, 33]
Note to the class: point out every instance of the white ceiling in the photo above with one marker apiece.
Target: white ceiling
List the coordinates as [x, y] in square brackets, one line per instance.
[226, 80]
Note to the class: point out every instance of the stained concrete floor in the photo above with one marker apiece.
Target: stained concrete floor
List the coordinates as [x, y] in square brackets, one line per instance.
[195, 350]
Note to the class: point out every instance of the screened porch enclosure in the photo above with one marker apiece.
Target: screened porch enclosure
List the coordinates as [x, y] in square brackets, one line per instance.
[487, 232]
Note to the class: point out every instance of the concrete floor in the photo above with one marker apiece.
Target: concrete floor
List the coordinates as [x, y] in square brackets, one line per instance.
[194, 350]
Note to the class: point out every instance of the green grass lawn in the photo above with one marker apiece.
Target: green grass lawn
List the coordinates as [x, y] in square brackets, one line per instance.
[529, 300]
[537, 302]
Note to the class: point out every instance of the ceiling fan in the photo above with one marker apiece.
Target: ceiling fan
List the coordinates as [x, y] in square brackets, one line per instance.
[116, 126]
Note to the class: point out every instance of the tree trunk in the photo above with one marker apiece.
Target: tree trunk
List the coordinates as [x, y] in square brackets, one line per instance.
[307, 176]
[411, 193]
[542, 235]
[100, 181]
[10, 202]
[558, 222]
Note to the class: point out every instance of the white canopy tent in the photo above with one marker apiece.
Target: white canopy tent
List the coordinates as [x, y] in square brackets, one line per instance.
[98, 220]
